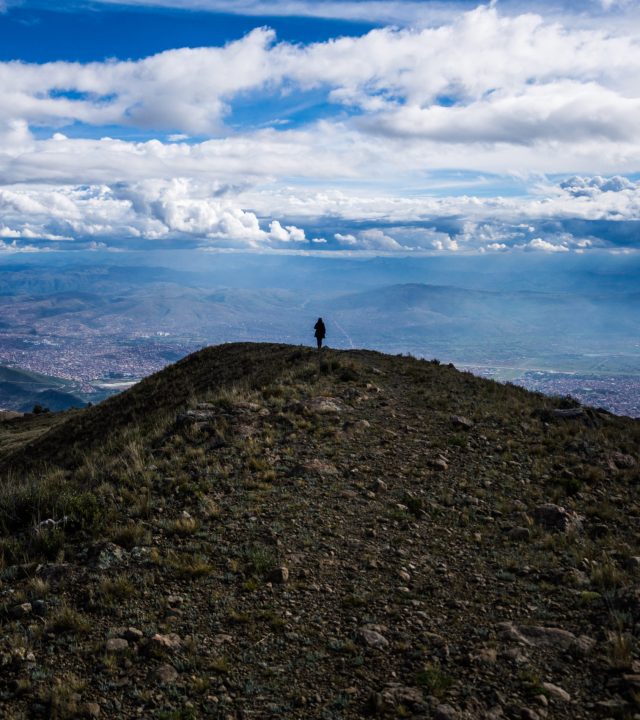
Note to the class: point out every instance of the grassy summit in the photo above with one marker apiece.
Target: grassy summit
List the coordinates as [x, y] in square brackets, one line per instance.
[262, 531]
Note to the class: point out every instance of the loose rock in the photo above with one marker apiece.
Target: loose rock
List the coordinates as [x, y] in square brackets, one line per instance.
[116, 645]
[557, 692]
[371, 637]
[165, 674]
[555, 518]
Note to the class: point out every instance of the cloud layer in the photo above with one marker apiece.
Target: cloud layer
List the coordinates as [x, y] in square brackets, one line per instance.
[577, 214]
[514, 95]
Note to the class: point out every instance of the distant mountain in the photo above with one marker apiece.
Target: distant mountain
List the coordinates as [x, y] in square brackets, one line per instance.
[452, 318]
[90, 320]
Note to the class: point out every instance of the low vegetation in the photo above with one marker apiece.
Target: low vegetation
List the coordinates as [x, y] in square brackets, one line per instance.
[263, 530]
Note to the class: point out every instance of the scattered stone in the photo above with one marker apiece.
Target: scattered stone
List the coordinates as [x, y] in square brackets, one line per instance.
[555, 518]
[395, 694]
[279, 575]
[516, 655]
[53, 572]
[202, 414]
[519, 533]
[462, 422]
[445, 712]
[575, 577]
[133, 634]
[615, 706]
[324, 406]
[141, 554]
[222, 638]
[108, 555]
[50, 523]
[165, 674]
[632, 680]
[244, 432]
[632, 563]
[622, 461]
[569, 413]
[90, 710]
[535, 635]
[318, 467]
[375, 704]
[487, 655]
[171, 642]
[557, 692]
[250, 406]
[116, 645]
[528, 714]
[371, 636]
[18, 612]
[379, 486]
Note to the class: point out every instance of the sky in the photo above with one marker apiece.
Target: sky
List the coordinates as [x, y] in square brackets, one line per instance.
[351, 127]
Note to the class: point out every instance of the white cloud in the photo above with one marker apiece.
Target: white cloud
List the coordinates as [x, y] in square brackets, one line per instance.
[520, 86]
[394, 12]
[513, 71]
[545, 246]
[375, 239]
[150, 210]
[346, 239]
[381, 11]
[287, 234]
[183, 90]
[212, 216]
[487, 91]
[566, 112]
[593, 186]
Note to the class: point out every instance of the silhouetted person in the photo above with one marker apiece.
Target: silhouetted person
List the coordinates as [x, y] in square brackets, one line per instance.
[320, 332]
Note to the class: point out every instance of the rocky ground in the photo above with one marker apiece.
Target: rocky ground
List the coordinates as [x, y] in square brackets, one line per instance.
[353, 535]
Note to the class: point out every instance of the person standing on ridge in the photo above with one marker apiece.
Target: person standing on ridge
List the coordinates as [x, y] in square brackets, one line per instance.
[320, 332]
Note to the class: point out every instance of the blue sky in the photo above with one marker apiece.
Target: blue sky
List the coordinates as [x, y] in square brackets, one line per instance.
[354, 127]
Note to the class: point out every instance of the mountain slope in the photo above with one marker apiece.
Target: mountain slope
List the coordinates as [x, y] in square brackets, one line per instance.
[20, 390]
[265, 531]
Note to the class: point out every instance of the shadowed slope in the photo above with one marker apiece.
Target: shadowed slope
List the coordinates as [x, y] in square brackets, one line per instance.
[145, 403]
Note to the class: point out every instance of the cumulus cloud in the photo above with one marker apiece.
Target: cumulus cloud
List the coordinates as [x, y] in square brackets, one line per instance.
[593, 186]
[346, 239]
[509, 93]
[149, 210]
[408, 81]
[210, 215]
[483, 91]
[562, 112]
[375, 239]
[545, 246]
[183, 89]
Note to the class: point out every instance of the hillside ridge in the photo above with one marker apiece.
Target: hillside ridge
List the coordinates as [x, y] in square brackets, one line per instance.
[267, 531]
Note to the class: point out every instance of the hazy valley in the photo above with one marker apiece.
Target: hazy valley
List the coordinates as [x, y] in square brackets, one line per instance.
[102, 328]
